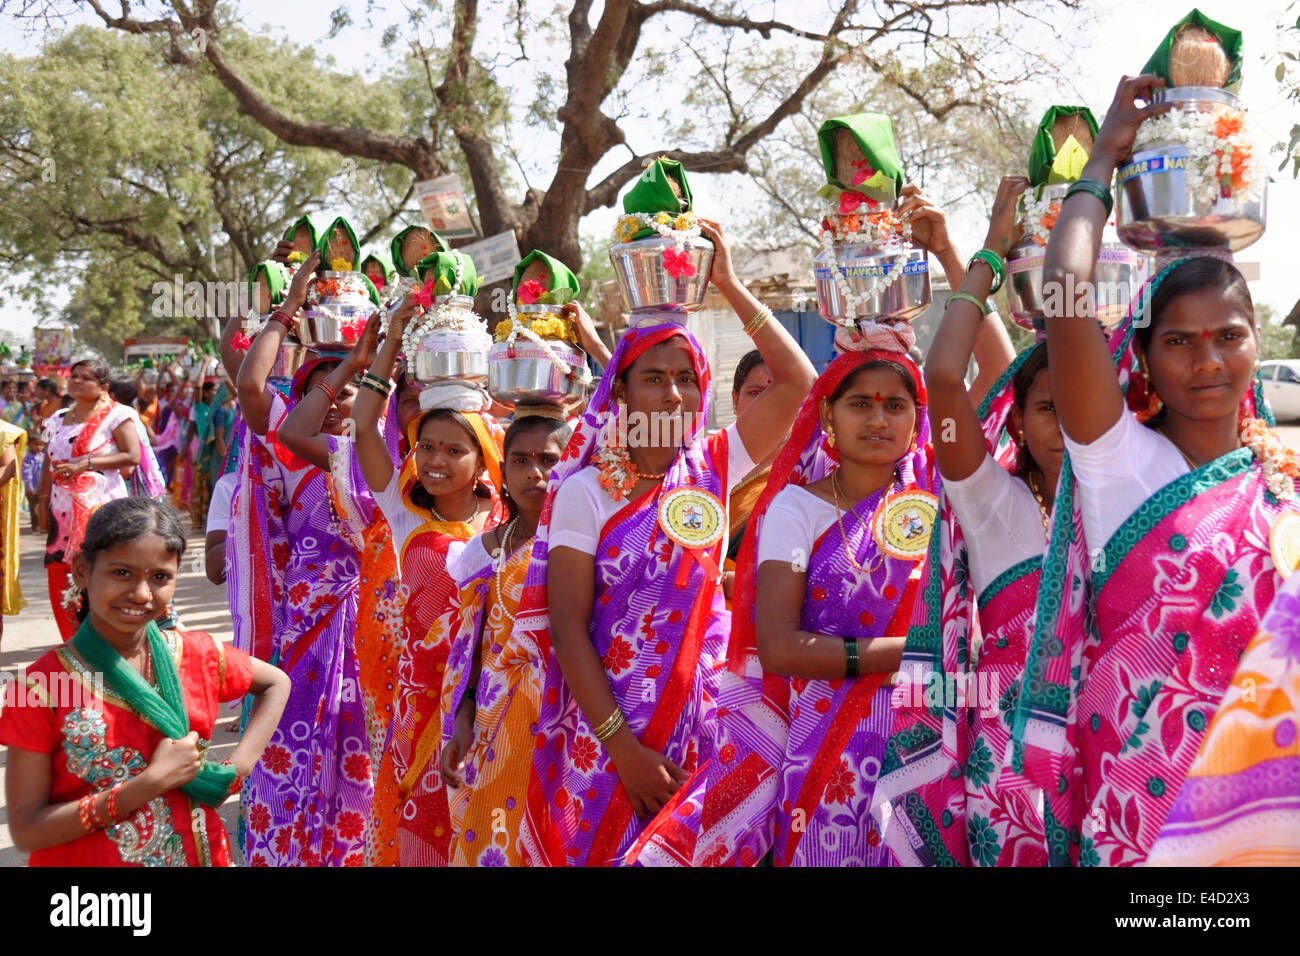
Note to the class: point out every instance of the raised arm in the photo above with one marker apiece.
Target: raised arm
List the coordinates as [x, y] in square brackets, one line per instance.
[992, 348]
[370, 406]
[231, 358]
[301, 430]
[255, 370]
[959, 445]
[763, 426]
[1084, 389]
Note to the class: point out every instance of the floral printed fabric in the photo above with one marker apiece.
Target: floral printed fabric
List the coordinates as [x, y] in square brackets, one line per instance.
[658, 631]
[95, 742]
[941, 791]
[797, 760]
[487, 811]
[308, 800]
[1240, 804]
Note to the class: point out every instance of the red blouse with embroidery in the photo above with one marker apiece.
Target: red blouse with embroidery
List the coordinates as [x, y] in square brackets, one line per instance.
[95, 741]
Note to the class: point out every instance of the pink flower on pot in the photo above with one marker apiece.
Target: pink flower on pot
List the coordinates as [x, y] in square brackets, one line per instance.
[850, 201]
[677, 263]
[530, 291]
[864, 171]
[424, 297]
[352, 330]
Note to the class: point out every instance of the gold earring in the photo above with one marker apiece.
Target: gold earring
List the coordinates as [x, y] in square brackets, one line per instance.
[830, 436]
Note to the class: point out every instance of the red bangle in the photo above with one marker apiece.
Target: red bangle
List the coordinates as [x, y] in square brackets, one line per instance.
[84, 809]
[328, 389]
[113, 815]
[279, 316]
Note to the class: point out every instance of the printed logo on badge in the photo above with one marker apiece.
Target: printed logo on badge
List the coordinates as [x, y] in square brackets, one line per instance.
[1284, 542]
[692, 517]
[902, 529]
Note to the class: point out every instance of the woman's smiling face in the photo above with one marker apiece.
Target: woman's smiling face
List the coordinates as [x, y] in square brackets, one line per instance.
[447, 461]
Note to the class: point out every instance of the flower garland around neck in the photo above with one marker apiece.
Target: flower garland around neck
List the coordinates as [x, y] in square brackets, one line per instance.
[1222, 156]
[878, 228]
[1279, 463]
[615, 472]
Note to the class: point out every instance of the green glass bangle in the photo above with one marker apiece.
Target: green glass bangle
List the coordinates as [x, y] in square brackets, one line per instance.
[994, 262]
[990, 306]
[375, 388]
[851, 657]
[967, 297]
[1092, 188]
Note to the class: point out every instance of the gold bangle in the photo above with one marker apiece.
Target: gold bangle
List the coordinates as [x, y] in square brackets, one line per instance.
[610, 727]
[757, 320]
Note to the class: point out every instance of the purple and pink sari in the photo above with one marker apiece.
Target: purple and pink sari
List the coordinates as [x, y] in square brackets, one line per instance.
[659, 624]
[307, 801]
[1124, 674]
[797, 760]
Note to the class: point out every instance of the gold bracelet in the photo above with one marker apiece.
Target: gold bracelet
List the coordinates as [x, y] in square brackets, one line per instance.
[610, 727]
[757, 320]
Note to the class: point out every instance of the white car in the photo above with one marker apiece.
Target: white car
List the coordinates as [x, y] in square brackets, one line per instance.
[1281, 380]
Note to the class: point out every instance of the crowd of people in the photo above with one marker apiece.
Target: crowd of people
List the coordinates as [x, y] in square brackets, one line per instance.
[888, 617]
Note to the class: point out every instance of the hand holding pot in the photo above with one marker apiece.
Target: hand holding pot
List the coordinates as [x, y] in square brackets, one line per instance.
[1114, 143]
[1005, 229]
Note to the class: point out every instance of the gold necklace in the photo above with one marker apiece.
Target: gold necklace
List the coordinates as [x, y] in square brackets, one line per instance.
[1042, 508]
[472, 514]
[839, 519]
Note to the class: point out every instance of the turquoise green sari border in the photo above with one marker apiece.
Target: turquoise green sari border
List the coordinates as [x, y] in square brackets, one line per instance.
[1007, 577]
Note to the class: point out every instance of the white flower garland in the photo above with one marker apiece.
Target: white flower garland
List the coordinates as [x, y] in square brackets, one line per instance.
[443, 317]
[877, 236]
[1035, 211]
[1195, 130]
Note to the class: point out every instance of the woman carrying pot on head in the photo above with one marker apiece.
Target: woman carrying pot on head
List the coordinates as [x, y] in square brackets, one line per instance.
[379, 603]
[491, 696]
[1178, 490]
[308, 800]
[443, 494]
[942, 779]
[627, 561]
[825, 584]
[89, 445]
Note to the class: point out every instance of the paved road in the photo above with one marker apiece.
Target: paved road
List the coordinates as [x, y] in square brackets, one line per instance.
[202, 606]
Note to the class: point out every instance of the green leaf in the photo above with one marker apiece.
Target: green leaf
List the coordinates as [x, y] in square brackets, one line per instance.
[1280, 72]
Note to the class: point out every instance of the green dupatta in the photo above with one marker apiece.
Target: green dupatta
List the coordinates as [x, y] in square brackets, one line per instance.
[163, 708]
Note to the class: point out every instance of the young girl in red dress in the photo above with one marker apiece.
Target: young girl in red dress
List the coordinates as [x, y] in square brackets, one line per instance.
[108, 733]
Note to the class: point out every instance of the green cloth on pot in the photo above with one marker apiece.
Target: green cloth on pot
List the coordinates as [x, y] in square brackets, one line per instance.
[1228, 37]
[395, 247]
[1047, 164]
[874, 134]
[275, 281]
[163, 709]
[441, 267]
[307, 221]
[651, 193]
[563, 285]
[382, 260]
[323, 241]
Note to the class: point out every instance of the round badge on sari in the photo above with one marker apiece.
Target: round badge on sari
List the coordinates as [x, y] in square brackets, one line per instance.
[902, 528]
[692, 517]
[1284, 542]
